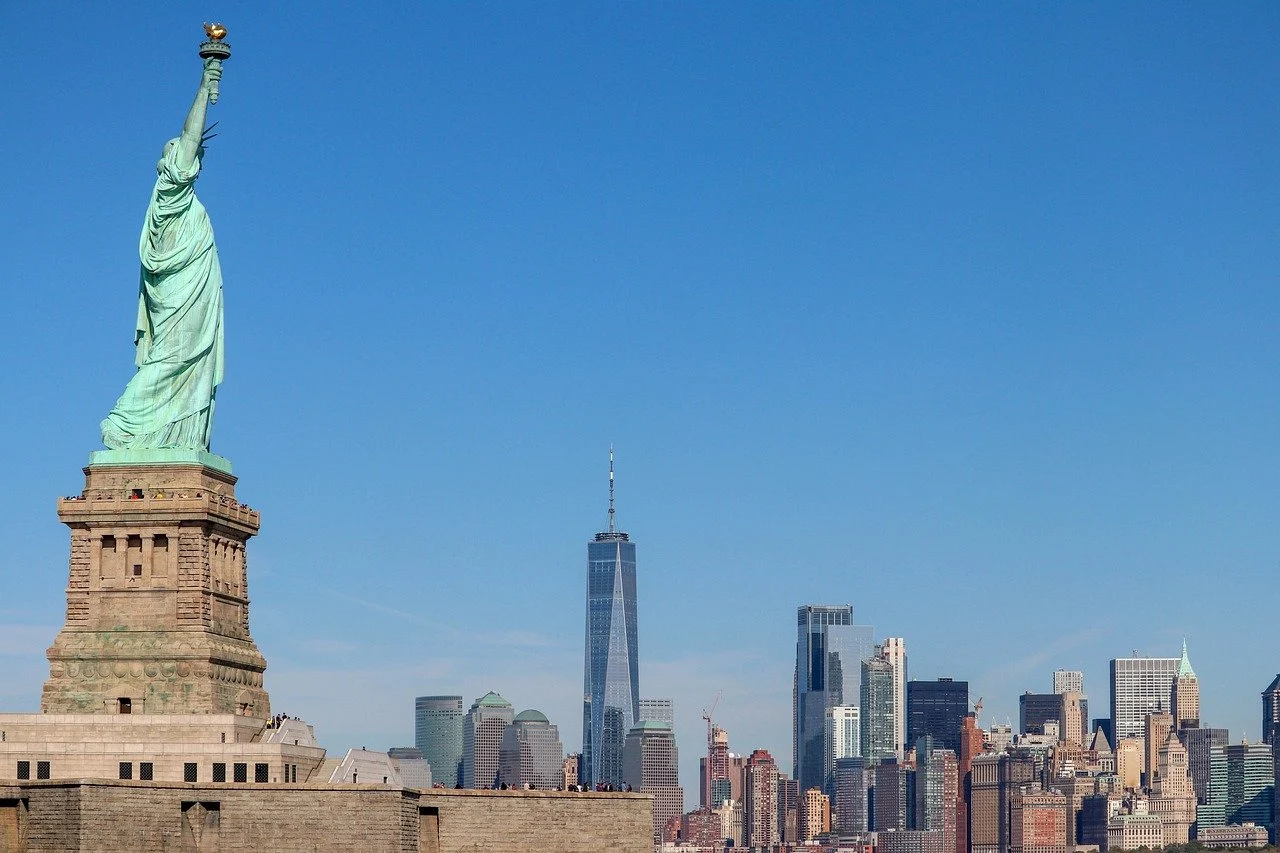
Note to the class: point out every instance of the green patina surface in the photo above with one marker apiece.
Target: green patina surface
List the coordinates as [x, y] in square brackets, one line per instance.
[160, 456]
[169, 402]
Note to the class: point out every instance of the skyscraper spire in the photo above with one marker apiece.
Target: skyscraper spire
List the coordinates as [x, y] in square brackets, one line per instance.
[612, 527]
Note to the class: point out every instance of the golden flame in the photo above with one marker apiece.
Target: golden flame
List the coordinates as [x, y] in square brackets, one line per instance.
[217, 32]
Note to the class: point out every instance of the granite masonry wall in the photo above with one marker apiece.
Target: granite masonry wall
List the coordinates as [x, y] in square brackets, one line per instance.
[154, 817]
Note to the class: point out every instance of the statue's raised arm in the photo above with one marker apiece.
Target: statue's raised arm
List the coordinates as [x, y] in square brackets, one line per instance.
[168, 404]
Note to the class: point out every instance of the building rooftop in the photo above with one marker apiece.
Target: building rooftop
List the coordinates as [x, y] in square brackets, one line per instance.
[531, 716]
[492, 700]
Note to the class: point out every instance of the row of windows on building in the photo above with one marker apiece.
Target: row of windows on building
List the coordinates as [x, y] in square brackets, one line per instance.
[190, 771]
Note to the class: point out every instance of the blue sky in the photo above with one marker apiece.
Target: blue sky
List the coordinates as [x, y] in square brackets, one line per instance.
[965, 316]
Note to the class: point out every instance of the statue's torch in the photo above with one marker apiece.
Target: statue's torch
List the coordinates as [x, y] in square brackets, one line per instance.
[216, 49]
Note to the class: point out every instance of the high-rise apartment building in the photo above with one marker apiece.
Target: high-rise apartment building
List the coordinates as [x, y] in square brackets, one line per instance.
[970, 746]
[788, 809]
[937, 709]
[1270, 710]
[1200, 743]
[1068, 681]
[815, 814]
[895, 651]
[437, 734]
[1139, 686]
[829, 653]
[893, 800]
[936, 792]
[716, 787]
[844, 738]
[849, 809]
[1241, 786]
[482, 731]
[651, 765]
[760, 817]
[531, 753]
[1186, 694]
[878, 727]
[611, 677]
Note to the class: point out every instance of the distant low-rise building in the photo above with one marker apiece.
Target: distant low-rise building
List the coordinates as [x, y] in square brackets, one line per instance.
[1131, 831]
[1240, 835]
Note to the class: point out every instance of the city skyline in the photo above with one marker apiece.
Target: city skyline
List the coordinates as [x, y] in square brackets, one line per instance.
[924, 313]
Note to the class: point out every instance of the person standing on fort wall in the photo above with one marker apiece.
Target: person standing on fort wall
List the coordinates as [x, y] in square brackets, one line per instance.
[179, 339]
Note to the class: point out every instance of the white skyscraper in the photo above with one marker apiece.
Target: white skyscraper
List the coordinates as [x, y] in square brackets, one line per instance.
[1140, 686]
[844, 735]
[1068, 681]
[895, 649]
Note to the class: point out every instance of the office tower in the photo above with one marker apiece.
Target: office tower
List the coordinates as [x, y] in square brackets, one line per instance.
[1130, 757]
[829, 653]
[1075, 717]
[815, 814]
[936, 792]
[849, 808]
[1036, 709]
[970, 746]
[1241, 786]
[895, 651]
[715, 786]
[993, 779]
[760, 811]
[437, 733]
[877, 721]
[1270, 710]
[414, 770]
[661, 710]
[1200, 743]
[1096, 812]
[1139, 686]
[650, 765]
[893, 800]
[999, 737]
[531, 753]
[737, 778]
[611, 677]
[1186, 694]
[1068, 681]
[1156, 728]
[569, 774]
[844, 738]
[1173, 798]
[482, 731]
[937, 709]
[788, 809]
[1037, 820]
[1075, 789]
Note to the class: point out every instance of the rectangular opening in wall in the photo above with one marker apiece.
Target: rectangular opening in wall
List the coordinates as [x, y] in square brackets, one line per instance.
[146, 771]
[126, 769]
[42, 770]
[428, 829]
[24, 769]
[160, 542]
[219, 772]
[240, 772]
[108, 543]
[189, 772]
[261, 772]
[137, 570]
[126, 705]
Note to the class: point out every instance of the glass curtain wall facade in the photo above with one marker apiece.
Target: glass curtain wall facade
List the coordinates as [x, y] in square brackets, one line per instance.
[437, 733]
[611, 691]
[829, 654]
[937, 709]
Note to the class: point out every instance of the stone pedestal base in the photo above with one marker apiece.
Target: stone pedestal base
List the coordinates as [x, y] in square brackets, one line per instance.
[157, 601]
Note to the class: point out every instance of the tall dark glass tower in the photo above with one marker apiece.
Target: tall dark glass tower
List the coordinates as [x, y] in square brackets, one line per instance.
[611, 674]
[437, 733]
[829, 654]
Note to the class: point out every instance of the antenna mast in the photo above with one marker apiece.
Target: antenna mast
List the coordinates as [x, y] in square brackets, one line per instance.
[612, 527]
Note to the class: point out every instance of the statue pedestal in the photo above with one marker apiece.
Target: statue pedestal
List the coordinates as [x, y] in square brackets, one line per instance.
[157, 601]
[160, 457]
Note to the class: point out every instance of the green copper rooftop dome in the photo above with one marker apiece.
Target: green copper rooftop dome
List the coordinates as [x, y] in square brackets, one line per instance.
[1184, 665]
[531, 716]
[492, 700]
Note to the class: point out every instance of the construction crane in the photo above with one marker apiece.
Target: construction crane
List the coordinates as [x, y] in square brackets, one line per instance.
[706, 715]
[977, 709]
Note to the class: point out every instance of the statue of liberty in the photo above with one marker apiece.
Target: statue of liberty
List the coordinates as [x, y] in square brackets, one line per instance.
[168, 404]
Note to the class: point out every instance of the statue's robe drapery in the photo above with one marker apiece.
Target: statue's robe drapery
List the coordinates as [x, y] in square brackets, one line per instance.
[169, 402]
